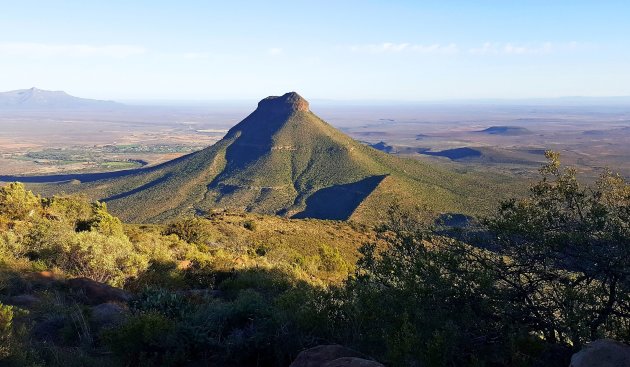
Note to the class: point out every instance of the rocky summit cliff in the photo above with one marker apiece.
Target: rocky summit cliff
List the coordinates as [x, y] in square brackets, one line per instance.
[283, 159]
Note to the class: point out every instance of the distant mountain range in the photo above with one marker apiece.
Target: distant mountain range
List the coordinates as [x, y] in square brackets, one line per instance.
[283, 159]
[33, 99]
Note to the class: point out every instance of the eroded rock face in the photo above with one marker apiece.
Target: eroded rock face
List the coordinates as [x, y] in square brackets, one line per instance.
[602, 353]
[287, 103]
[332, 356]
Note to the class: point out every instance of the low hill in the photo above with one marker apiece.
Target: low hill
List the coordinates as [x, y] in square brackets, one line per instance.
[34, 98]
[282, 159]
[506, 130]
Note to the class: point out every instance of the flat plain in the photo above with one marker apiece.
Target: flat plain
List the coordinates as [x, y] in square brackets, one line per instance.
[508, 138]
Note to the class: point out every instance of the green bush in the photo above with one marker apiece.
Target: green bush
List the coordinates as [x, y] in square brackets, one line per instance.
[17, 203]
[68, 209]
[99, 257]
[164, 302]
[146, 339]
[6, 330]
[103, 222]
[331, 259]
[250, 225]
[192, 230]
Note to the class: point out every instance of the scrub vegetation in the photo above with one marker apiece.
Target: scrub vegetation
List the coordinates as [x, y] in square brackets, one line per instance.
[526, 286]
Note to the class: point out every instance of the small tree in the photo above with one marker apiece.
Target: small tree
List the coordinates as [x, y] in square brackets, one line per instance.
[418, 299]
[567, 263]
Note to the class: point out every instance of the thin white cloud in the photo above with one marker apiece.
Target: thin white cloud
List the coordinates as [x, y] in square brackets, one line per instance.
[389, 47]
[275, 51]
[27, 49]
[510, 48]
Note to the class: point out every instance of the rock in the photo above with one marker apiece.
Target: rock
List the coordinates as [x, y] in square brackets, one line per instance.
[184, 264]
[46, 274]
[352, 362]
[96, 293]
[107, 314]
[332, 356]
[602, 353]
[49, 329]
[23, 300]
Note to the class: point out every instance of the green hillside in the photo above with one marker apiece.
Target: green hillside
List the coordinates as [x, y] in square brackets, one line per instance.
[283, 159]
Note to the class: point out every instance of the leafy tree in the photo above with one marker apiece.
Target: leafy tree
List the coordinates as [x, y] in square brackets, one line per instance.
[567, 255]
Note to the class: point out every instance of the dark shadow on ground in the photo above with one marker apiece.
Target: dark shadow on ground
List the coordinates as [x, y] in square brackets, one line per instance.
[455, 154]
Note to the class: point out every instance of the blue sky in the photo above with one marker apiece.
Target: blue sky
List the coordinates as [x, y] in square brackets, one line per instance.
[344, 49]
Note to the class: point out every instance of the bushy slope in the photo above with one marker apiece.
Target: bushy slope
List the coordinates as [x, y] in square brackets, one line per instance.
[283, 159]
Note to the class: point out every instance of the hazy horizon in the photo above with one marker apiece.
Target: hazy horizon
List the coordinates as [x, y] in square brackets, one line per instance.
[561, 100]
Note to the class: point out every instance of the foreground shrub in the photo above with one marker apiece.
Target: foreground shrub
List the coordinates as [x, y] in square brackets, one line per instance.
[6, 330]
[192, 230]
[144, 340]
[16, 203]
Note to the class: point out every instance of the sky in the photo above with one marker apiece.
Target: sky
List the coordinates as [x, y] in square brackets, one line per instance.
[339, 50]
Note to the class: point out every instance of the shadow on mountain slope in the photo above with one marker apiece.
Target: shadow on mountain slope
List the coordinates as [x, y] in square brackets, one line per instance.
[338, 202]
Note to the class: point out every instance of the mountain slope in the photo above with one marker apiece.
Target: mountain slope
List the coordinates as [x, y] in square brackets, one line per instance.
[283, 159]
[34, 98]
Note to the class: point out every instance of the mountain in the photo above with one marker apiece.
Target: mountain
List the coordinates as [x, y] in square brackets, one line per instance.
[283, 159]
[34, 98]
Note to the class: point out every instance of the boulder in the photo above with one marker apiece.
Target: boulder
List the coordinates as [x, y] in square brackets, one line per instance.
[602, 353]
[96, 293]
[332, 356]
[107, 314]
[23, 300]
[50, 329]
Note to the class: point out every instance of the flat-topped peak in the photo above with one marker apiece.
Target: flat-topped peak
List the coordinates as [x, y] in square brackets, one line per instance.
[287, 103]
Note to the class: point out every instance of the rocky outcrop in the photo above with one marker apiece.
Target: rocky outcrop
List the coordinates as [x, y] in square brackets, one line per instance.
[287, 103]
[332, 356]
[107, 314]
[602, 353]
[96, 293]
